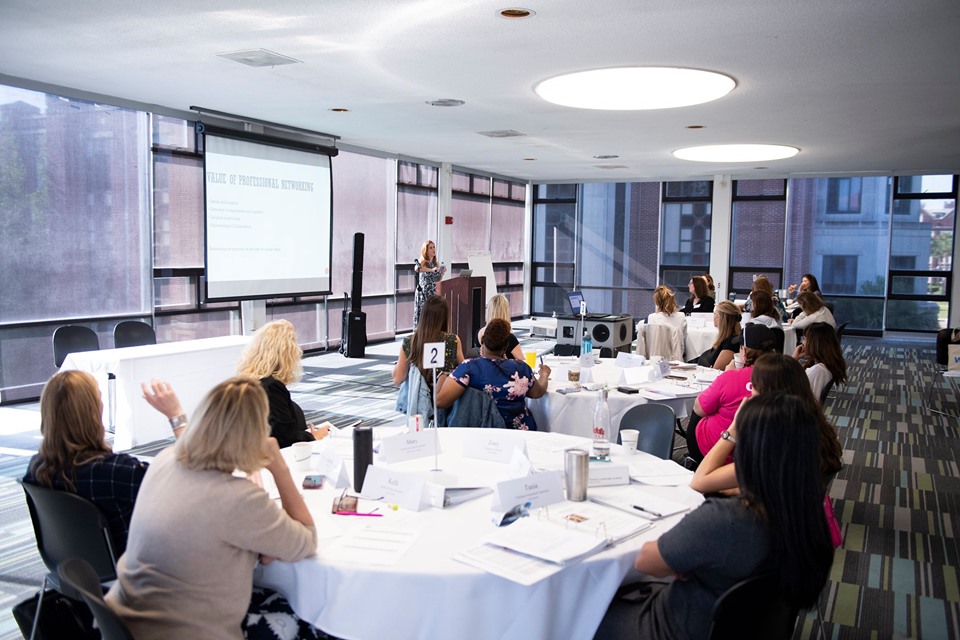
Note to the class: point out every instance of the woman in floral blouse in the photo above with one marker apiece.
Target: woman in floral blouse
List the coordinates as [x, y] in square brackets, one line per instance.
[507, 381]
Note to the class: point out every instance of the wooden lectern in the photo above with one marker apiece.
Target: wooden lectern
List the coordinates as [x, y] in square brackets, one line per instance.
[467, 298]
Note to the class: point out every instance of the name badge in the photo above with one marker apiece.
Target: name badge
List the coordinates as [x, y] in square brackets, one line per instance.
[408, 446]
[493, 445]
[539, 489]
[332, 467]
[394, 487]
[604, 474]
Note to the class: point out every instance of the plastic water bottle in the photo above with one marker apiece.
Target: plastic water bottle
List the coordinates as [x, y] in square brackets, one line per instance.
[601, 428]
[587, 346]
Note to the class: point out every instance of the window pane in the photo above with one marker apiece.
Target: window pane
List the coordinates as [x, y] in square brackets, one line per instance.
[415, 209]
[471, 225]
[925, 184]
[556, 191]
[688, 189]
[916, 315]
[757, 236]
[178, 212]
[685, 237]
[918, 286]
[760, 188]
[923, 231]
[174, 133]
[75, 221]
[363, 202]
[506, 231]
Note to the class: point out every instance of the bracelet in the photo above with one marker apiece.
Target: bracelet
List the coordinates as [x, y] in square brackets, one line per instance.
[178, 421]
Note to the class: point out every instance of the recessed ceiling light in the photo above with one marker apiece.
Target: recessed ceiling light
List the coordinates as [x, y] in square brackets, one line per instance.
[694, 126]
[515, 13]
[529, 159]
[635, 88]
[340, 110]
[446, 102]
[606, 156]
[736, 153]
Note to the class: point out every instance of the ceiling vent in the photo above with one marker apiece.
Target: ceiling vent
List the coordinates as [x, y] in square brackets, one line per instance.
[503, 133]
[258, 58]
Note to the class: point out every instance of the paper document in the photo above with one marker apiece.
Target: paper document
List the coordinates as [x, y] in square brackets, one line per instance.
[631, 499]
[661, 473]
[372, 545]
[508, 564]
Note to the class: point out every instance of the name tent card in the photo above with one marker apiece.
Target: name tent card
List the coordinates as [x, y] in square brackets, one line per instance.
[493, 445]
[639, 375]
[520, 465]
[605, 474]
[331, 466]
[539, 489]
[395, 487]
[408, 446]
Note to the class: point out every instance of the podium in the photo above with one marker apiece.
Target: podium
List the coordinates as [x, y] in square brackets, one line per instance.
[467, 298]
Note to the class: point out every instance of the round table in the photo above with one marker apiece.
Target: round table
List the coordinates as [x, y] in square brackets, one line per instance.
[427, 594]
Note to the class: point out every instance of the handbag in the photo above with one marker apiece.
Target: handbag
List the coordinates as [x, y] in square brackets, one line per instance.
[60, 617]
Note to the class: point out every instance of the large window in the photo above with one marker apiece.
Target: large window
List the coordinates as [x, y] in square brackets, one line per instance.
[757, 233]
[74, 228]
[686, 216]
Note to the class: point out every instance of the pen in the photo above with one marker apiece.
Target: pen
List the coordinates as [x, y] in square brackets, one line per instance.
[645, 510]
[354, 513]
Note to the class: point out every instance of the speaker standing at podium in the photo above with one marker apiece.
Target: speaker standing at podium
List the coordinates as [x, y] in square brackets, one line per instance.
[429, 272]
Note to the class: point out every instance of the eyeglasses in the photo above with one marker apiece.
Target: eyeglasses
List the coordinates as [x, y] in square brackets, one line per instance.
[344, 504]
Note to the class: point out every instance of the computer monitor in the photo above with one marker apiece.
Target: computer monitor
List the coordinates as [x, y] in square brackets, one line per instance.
[575, 298]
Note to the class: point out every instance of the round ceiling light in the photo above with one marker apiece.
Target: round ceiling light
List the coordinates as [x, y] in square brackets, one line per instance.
[635, 88]
[736, 153]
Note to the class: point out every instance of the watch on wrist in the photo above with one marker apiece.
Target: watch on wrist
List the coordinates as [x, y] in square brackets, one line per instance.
[726, 436]
[178, 421]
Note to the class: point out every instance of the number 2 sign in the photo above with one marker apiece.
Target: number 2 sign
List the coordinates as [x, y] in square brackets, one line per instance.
[433, 355]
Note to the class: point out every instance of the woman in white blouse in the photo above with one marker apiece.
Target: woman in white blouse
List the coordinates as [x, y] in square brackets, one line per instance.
[813, 310]
[821, 356]
[667, 313]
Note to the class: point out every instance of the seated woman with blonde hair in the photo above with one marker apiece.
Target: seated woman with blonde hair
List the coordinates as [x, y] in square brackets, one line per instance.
[498, 307]
[667, 313]
[813, 310]
[726, 318]
[198, 529]
[273, 357]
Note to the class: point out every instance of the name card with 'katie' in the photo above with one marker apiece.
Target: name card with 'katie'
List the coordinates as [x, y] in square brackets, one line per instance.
[408, 446]
[539, 489]
[394, 487]
[493, 445]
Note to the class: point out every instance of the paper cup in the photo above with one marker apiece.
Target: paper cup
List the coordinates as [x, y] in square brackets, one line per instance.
[531, 358]
[301, 454]
[628, 438]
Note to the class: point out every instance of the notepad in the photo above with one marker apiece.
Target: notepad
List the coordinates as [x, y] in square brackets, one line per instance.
[633, 500]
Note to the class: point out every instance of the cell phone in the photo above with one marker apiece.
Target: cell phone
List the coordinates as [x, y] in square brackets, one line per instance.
[627, 390]
[675, 377]
[313, 482]
[567, 390]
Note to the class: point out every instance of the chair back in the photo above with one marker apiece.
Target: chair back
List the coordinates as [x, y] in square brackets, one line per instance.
[133, 333]
[753, 608]
[841, 329]
[656, 423]
[80, 576]
[73, 338]
[825, 393]
[779, 338]
[660, 340]
[67, 525]
[946, 337]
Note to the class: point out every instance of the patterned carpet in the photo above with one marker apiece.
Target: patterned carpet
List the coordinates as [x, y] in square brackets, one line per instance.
[896, 498]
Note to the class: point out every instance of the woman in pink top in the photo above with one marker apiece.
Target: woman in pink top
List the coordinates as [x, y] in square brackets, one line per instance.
[716, 405]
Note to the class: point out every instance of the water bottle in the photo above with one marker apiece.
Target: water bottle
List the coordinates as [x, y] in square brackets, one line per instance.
[587, 346]
[601, 428]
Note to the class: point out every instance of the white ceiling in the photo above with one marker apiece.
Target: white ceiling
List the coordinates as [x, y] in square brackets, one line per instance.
[860, 86]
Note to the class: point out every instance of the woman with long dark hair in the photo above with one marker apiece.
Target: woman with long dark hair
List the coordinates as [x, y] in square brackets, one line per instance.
[432, 328]
[822, 357]
[775, 525]
[699, 300]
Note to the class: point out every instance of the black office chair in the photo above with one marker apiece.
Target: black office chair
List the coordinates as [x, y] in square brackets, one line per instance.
[133, 333]
[73, 338]
[840, 330]
[66, 526]
[779, 339]
[656, 424]
[753, 608]
[80, 576]
[825, 394]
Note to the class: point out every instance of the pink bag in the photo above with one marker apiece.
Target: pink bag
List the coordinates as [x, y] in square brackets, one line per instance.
[832, 523]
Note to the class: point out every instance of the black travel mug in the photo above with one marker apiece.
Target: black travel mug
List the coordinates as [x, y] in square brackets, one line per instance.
[362, 455]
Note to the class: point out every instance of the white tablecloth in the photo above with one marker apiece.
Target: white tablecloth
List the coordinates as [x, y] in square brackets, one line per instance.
[572, 413]
[192, 367]
[427, 594]
[701, 339]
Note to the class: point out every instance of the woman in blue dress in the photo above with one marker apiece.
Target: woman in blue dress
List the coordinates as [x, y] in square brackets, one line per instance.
[509, 382]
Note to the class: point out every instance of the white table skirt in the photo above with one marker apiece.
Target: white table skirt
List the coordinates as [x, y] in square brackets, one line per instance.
[192, 367]
[427, 594]
[573, 413]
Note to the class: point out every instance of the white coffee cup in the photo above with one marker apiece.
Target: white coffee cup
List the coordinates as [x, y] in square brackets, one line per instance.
[301, 454]
[628, 437]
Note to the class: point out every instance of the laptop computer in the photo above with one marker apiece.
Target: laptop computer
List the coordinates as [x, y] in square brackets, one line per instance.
[466, 273]
[576, 298]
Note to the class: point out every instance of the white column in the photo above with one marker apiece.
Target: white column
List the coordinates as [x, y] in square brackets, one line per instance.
[444, 232]
[721, 215]
[528, 249]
